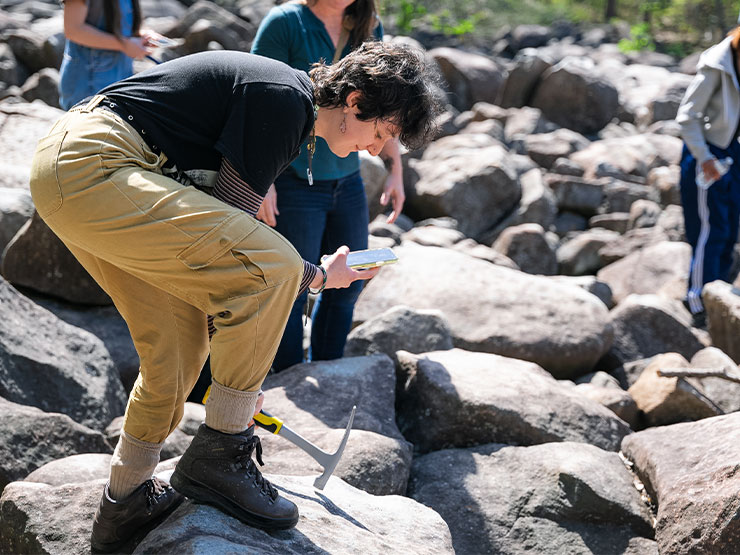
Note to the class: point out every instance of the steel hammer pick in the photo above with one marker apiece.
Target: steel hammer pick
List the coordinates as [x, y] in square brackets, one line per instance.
[327, 460]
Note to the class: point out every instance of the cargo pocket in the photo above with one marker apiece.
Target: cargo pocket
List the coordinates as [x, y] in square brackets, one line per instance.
[218, 241]
[44, 181]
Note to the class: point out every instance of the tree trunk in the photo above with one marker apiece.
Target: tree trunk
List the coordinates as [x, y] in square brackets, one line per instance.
[611, 10]
[719, 13]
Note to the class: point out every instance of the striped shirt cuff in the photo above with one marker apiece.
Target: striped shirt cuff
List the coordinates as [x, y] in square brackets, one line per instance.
[309, 272]
[233, 191]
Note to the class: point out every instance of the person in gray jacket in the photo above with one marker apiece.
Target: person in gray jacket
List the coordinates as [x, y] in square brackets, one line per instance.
[710, 167]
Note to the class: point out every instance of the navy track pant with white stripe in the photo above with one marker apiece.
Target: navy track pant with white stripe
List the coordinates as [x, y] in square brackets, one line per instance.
[711, 217]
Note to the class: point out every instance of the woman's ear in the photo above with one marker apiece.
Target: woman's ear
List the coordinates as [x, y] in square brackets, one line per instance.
[353, 99]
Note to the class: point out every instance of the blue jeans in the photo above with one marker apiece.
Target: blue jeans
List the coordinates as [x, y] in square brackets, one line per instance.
[319, 219]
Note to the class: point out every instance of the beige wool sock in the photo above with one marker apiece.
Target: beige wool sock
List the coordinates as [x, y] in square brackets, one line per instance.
[229, 410]
[132, 464]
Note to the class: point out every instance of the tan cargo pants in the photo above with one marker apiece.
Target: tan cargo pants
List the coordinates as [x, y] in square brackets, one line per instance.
[167, 255]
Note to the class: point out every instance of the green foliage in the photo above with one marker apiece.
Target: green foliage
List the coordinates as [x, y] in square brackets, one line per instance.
[674, 26]
[446, 23]
[640, 39]
[408, 13]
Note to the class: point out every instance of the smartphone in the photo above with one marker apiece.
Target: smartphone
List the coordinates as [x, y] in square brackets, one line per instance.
[362, 260]
[165, 42]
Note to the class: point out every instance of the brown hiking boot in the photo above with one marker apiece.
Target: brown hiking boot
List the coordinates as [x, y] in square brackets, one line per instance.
[217, 469]
[118, 522]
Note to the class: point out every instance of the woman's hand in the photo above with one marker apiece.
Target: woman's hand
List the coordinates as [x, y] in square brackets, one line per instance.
[150, 37]
[709, 168]
[338, 274]
[393, 189]
[394, 192]
[135, 47]
[268, 209]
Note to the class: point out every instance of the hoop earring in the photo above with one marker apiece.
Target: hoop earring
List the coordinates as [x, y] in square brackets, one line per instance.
[343, 125]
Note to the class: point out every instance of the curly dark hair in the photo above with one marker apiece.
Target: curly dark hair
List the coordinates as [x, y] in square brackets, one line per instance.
[395, 85]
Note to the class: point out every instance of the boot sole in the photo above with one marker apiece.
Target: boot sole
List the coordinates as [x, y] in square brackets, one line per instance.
[201, 493]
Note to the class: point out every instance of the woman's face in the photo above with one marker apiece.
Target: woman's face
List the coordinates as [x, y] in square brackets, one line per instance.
[358, 135]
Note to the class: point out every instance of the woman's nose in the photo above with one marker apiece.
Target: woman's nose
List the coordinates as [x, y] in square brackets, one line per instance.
[375, 148]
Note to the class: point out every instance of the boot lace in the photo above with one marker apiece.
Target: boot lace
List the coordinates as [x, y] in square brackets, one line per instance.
[254, 446]
[155, 488]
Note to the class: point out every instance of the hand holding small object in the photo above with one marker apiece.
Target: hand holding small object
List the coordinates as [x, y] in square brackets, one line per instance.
[711, 171]
[338, 274]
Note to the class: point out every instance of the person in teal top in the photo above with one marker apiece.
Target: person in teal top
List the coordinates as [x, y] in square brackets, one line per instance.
[317, 218]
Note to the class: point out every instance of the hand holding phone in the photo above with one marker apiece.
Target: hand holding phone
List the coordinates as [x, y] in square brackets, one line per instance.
[165, 42]
[371, 258]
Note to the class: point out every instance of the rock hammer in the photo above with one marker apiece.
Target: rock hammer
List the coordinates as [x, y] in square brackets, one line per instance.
[327, 460]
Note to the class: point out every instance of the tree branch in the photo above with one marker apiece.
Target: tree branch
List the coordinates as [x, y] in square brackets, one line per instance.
[724, 373]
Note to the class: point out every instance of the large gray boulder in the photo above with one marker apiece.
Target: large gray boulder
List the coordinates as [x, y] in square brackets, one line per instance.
[433, 236]
[206, 21]
[580, 255]
[28, 47]
[647, 270]
[537, 205]
[620, 193]
[38, 518]
[552, 498]
[617, 400]
[525, 121]
[16, 207]
[722, 303]
[459, 398]
[696, 489]
[521, 81]
[87, 467]
[632, 241]
[374, 173]
[633, 155]
[572, 94]
[493, 309]
[22, 124]
[36, 258]
[723, 393]
[577, 194]
[546, 148]
[315, 400]
[644, 213]
[30, 438]
[42, 85]
[400, 328]
[470, 77]
[12, 73]
[52, 365]
[72, 469]
[320, 395]
[105, 323]
[647, 325]
[666, 400]
[528, 247]
[477, 187]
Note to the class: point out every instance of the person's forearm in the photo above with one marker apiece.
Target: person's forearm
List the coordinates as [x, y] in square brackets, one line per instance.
[89, 36]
